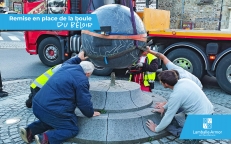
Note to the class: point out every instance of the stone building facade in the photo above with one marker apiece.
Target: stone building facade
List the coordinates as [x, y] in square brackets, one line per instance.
[213, 15]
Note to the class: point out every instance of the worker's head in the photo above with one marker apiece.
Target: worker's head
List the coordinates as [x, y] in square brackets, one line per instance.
[88, 67]
[144, 53]
[168, 78]
[177, 73]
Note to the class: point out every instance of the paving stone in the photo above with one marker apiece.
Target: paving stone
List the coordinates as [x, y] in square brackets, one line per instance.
[13, 130]
[23, 143]
[164, 140]
[17, 139]
[172, 142]
[4, 136]
[226, 140]
[7, 141]
[222, 142]
[155, 142]
[179, 140]
[204, 142]
[211, 140]
[171, 137]
[14, 136]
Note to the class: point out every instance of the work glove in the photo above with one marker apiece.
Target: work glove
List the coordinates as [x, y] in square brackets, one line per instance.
[139, 64]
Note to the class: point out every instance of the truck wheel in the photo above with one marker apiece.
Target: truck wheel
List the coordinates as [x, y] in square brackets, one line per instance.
[102, 71]
[188, 60]
[50, 52]
[223, 73]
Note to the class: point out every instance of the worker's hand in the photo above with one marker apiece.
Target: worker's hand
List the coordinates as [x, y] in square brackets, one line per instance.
[139, 64]
[160, 110]
[160, 104]
[81, 56]
[96, 113]
[148, 49]
[151, 125]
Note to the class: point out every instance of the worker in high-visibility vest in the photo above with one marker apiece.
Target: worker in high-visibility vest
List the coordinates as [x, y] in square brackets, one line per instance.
[148, 65]
[40, 81]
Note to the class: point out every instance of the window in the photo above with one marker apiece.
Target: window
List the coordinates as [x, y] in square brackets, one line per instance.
[202, 2]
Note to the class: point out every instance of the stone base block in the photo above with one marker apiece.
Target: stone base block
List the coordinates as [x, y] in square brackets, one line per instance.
[118, 128]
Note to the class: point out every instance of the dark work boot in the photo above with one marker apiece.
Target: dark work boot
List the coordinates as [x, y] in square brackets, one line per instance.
[3, 93]
[29, 101]
[41, 139]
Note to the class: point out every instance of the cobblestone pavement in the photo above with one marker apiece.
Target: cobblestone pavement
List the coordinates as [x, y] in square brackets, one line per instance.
[13, 106]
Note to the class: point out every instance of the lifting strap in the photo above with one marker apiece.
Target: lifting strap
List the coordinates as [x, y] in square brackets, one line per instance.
[133, 21]
[139, 37]
[112, 56]
[89, 7]
[123, 2]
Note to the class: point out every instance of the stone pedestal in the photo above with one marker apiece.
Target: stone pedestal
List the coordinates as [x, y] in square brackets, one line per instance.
[126, 109]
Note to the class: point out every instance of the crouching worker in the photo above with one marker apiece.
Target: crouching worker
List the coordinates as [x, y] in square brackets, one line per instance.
[146, 71]
[171, 66]
[186, 96]
[54, 105]
[38, 83]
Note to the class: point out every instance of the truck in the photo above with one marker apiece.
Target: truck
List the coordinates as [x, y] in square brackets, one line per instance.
[201, 52]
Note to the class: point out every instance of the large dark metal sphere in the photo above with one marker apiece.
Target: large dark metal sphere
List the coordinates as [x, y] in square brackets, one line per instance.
[104, 52]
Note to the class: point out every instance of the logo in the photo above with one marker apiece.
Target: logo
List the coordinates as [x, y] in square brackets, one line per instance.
[207, 127]
[207, 123]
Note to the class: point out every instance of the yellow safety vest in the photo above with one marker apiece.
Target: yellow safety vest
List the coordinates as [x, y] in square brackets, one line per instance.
[149, 77]
[42, 79]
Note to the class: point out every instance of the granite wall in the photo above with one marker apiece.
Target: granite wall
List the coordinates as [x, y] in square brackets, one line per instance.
[203, 15]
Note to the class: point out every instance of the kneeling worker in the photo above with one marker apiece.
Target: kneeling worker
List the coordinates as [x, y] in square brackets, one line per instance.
[54, 105]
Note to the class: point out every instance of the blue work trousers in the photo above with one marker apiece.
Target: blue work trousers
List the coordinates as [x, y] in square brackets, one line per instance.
[57, 129]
